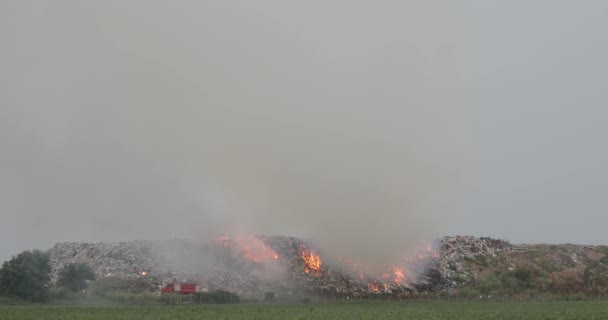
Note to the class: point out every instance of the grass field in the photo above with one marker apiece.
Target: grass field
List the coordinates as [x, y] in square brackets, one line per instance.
[423, 311]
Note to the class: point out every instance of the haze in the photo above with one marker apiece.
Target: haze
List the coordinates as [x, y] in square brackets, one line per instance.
[365, 127]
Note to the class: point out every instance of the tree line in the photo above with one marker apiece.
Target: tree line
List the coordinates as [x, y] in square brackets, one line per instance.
[27, 276]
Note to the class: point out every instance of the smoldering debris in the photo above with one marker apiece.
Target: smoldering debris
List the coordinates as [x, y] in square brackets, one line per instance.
[286, 265]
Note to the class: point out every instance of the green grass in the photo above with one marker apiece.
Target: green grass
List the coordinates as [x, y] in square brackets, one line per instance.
[406, 310]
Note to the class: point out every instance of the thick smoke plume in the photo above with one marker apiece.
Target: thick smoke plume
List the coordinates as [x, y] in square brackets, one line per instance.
[337, 122]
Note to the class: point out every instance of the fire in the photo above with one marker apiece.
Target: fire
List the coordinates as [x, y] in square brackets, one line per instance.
[374, 287]
[396, 276]
[250, 249]
[312, 261]
[254, 250]
[356, 268]
[399, 275]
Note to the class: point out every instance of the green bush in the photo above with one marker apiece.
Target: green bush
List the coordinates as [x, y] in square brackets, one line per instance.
[217, 296]
[541, 282]
[468, 292]
[113, 284]
[523, 277]
[74, 276]
[490, 284]
[517, 281]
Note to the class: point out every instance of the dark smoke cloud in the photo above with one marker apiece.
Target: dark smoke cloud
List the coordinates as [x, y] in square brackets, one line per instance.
[340, 122]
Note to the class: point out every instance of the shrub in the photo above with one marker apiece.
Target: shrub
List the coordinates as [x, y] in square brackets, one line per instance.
[469, 292]
[523, 277]
[518, 280]
[112, 284]
[74, 276]
[217, 296]
[490, 284]
[269, 296]
[568, 281]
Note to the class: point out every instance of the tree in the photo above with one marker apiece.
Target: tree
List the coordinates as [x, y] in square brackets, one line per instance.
[26, 276]
[269, 296]
[74, 276]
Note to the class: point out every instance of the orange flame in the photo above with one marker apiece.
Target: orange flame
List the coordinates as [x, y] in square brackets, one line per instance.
[250, 249]
[399, 275]
[374, 287]
[312, 261]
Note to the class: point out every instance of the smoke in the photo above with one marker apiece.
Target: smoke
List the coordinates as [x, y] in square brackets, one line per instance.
[339, 122]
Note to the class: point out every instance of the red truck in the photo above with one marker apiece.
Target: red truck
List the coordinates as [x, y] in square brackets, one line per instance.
[182, 288]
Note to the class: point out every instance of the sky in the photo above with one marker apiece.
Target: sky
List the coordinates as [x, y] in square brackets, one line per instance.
[366, 127]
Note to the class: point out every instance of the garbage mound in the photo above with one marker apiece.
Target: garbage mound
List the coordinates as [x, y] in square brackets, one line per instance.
[257, 264]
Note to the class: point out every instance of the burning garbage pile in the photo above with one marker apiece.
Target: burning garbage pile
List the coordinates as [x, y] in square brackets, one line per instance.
[253, 265]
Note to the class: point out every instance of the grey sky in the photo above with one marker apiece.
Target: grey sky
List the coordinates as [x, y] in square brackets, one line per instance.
[540, 80]
[407, 120]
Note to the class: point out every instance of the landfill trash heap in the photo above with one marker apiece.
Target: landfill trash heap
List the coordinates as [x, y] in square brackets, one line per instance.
[286, 265]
